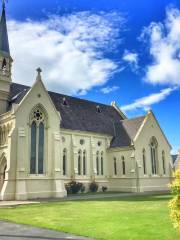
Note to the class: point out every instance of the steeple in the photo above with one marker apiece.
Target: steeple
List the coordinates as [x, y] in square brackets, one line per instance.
[5, 63]
[4, 42]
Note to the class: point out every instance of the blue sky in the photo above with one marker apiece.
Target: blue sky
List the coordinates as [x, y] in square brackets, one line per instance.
[101, 50]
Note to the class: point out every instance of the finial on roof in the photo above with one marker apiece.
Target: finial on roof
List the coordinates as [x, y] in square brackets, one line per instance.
[3, 3]
[113, 103]
[39, 71]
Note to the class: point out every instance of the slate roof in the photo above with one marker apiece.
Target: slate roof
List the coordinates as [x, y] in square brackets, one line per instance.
[82, 115]
[4, 42]
[126, 130]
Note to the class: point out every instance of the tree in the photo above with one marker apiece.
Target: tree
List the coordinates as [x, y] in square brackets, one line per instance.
[174, 204]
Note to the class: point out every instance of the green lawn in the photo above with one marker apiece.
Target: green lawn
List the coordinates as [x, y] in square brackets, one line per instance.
[135, 218]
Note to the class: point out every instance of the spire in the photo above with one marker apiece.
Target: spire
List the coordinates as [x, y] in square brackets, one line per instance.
[4, 42]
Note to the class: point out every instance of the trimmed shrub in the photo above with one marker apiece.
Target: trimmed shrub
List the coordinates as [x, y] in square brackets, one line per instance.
[73, 187]
[93, 187]
[104, 189]
[174, 204]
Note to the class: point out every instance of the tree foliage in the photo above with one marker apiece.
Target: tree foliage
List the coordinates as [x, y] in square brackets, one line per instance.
[174, 204]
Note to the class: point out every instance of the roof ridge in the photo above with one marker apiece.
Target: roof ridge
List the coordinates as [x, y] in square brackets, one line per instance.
[130, 119]
[65, 95]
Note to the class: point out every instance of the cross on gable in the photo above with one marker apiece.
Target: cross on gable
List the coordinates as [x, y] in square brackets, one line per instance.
[39, 70]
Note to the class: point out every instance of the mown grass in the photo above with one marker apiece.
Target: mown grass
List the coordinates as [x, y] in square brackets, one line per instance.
[132, 218]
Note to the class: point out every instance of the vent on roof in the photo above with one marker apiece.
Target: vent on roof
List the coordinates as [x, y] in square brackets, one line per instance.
[65, 102]
[98, 109]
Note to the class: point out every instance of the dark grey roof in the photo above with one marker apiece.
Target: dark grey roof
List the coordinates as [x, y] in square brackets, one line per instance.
[127, 128]
[4, 42]
[174, 158]
[82, 115]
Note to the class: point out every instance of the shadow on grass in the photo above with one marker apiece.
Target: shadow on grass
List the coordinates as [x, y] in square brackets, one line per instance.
[135, 198]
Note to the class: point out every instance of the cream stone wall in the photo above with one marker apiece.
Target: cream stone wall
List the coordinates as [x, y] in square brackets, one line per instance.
[27, 186]
[71, 142]
[121, 182]
[151, 182]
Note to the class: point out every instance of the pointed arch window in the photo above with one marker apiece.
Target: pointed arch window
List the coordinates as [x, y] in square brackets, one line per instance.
[84, 162]
[123, 166]
[4, 66]
[163, 162]
[144, 162]
[102, 163]
[38, 121]
[97, 163]
[115, 166]
[79, 162]
[64, 161]
[154, 154]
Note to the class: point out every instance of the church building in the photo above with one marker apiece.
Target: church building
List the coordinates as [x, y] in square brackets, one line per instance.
[48, 139]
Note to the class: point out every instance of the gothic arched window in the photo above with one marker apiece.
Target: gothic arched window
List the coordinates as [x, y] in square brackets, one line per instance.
[37, 120]
[115, 166]
[97, 163]
[4, 64]
[123, 166]
[154, 154]
[79, 162]
[163, 162]
[84, 162]
[102, 164]
[144, 162]
[64, 161]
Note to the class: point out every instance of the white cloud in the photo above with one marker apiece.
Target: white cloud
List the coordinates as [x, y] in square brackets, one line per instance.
[109, 89]
[146, 102]
[164, 40]
[69, 49]
[131, 58]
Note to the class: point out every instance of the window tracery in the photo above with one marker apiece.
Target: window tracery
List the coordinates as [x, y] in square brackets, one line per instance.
[38, 120]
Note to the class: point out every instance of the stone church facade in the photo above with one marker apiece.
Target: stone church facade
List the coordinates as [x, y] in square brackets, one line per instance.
[48, 139]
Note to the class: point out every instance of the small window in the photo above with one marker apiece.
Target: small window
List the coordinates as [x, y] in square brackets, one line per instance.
[79, 162]
[123, 166]
[115, 166]
[64, 161]
[84, 163]
[144, 162]
[97, 163]
[98, 109]
[65, 102]
[99, 143]
[163, 162]
[4, 64]
[81, 141]
[102, 164]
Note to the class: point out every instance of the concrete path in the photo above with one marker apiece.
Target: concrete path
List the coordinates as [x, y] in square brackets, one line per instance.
[11, 231]
[16, 203]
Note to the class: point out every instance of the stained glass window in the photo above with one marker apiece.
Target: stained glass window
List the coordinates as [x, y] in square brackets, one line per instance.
[84, 163]
[33, 149]
[37, 141]
[64, 161]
